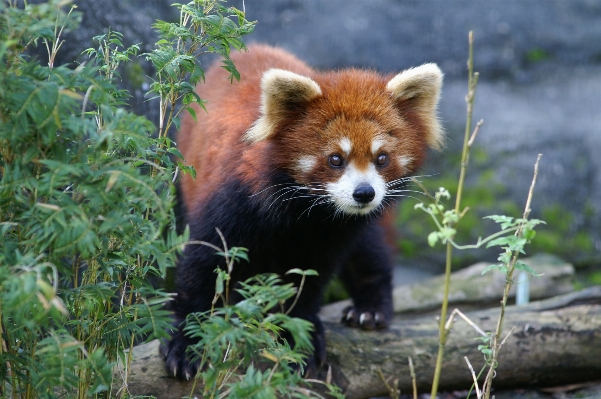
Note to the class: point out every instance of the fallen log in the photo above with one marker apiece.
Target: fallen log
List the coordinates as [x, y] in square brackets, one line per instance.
[551, 342]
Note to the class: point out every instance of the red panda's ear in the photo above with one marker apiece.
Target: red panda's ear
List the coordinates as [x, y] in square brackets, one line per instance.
[282, 92]
[421, 85]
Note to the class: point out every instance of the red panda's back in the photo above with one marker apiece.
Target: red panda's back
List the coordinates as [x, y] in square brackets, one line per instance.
[213, 144]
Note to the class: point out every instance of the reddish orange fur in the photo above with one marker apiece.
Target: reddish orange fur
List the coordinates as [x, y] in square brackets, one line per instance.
[296, 166]
[231, 109]
[354, 104]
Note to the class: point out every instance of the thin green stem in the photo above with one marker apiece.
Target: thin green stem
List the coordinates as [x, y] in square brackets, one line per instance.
[484, 241]
[472, 82]
[443, 317]
[443, 332]
[298, 294]
[496, 345]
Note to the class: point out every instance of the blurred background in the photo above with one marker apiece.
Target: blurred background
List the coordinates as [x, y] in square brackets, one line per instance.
[539, 92]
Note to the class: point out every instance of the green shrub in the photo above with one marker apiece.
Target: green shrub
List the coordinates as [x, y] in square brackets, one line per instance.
[86, 200]
[86, 218]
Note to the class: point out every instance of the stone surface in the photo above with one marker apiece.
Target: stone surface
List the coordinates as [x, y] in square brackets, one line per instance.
[470, 289]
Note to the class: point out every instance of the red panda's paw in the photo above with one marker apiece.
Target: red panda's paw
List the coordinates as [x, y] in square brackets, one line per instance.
[176, 362]
[367, 319]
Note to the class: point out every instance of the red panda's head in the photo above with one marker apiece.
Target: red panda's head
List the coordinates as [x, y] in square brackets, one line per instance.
[350, 137]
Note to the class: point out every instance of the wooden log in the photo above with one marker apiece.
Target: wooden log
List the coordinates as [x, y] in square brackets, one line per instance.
[552, 342]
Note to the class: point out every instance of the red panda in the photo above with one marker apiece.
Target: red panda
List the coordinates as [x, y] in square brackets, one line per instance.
[298, 166]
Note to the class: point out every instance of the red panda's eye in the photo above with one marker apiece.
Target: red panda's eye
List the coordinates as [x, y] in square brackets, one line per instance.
[382, 160]
[335, 160]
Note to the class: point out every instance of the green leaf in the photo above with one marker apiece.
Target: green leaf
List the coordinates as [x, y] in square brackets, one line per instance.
[308, 272]
[528, 234]
[505, 221]
[192, 113]
[501, 241]
[450, 217]
[433, 238]
[176, 122]
[519, 265]
[219, 286]
[176, 152]
[229, 66]
[500, 267]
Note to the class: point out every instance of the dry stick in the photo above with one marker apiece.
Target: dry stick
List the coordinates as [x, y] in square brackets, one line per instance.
[392, 390]
[478, 394]
[467, 320]
[443, 333]
[413, 378]
[508, 283]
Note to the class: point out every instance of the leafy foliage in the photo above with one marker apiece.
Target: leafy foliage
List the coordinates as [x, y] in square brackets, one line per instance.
[447, 220]
[514, 235]
[86, 217]
[205, 26]
[240, 349]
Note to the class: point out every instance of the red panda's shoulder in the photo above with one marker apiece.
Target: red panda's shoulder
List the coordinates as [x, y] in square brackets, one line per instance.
[231, 109]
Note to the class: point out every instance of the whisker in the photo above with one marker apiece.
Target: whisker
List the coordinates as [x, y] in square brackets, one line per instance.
[267, 188]
[405, 196]
[389, 192]
[316, 201]
[407, 179]
[304, 196]
[281, 195]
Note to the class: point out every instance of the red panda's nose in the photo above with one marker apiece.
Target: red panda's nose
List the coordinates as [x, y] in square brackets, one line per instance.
[364, 193]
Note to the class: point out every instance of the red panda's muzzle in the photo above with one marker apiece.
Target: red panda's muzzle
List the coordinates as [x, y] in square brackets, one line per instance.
[364, 193]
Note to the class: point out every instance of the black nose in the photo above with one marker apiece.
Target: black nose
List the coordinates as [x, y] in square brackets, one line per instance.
[364, 193]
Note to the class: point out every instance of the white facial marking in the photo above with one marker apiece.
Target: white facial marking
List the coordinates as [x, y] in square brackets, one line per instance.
[405, 161]
[342, 190]
[306, 163]
[345, 145]
[375, 146]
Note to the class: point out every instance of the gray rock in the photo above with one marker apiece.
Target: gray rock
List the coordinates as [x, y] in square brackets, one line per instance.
[470, 289]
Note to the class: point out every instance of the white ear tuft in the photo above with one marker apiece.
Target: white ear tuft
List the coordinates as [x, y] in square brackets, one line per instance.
[282, 92]
[422, 86]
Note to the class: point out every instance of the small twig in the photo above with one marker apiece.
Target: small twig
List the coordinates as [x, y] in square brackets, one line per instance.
[392, 390]
[175, 174]
[413, 377]
[478, 393]
[475, 133]
[423, 188]
[450, 321]
[507, 337]
[468, 321]
[527, 209]
[208, 244]
[298, 294]
[225, 249]
[85, 101]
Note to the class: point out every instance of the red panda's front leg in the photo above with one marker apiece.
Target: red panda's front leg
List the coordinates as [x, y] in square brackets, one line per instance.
[367, 276]
[195, 293]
